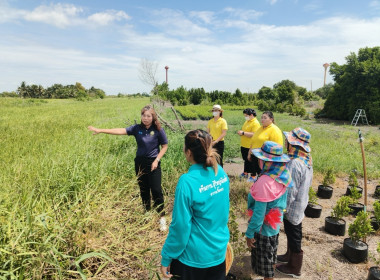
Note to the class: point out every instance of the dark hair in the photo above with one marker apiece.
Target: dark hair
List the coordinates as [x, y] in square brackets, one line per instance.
[199, 142]
[270, 115]
[249, 112]
[155, 122]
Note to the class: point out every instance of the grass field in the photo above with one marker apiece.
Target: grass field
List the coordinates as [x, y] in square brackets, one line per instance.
[70, 205]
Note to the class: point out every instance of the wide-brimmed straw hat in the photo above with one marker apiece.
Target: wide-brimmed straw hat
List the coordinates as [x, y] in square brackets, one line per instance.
[299, 137]
[216, 107]
[271, 151]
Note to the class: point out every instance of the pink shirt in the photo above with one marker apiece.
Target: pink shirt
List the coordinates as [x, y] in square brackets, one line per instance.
[266, 189]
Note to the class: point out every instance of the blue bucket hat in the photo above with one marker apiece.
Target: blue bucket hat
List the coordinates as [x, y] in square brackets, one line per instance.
[271, 151]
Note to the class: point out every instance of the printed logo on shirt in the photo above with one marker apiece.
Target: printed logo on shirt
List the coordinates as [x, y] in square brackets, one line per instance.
[215, 186]
[140, 132]
[152, 133]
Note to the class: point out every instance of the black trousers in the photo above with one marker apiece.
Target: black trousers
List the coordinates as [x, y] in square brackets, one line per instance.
[185, 272]
[219, 147]
[248, 165]
[149, 182]
[293, 235]
[256, 170]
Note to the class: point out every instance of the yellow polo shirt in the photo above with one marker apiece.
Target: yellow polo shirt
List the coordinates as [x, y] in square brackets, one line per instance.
[270, 133]
[249, 126]
[216, 127]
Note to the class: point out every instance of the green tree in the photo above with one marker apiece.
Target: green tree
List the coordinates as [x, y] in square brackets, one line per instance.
[357, 86]
[324, 91]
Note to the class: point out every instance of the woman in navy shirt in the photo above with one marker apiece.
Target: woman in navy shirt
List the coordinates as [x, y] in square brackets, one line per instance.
[149, 136]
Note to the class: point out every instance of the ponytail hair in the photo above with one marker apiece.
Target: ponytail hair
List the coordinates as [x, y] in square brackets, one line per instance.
[199, 142]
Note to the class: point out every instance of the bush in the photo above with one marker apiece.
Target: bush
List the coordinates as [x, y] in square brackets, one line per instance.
[352, 180]
[361, 227]
[312, 196]
[341, 208]
[376, 210]
[329, 178]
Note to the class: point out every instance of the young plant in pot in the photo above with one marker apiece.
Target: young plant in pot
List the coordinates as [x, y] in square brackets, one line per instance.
[355, 206]
[375, 220]
[354, 249]
[377, 192]
[353, 184]
[374, 271]
[313, 209]
[325, 190]
[334, 224]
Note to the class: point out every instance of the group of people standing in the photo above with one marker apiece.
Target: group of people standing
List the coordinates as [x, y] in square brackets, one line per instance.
[196, 245]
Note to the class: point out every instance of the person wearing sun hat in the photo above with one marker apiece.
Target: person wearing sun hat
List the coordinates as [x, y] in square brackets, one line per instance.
[301, 169]
[266, 203]
[217, 127]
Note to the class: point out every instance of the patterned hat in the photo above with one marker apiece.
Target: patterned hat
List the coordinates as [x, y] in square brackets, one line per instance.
[216, 107]
[271, 151]
[299, 137]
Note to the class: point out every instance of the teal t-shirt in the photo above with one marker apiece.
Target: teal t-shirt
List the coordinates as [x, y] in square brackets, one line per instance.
[198, 234]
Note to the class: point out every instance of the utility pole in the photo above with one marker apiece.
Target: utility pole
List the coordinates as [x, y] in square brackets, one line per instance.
[326, 65]
[167, 68]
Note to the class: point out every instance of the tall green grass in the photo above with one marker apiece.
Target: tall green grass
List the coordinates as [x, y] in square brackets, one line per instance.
[70, 204]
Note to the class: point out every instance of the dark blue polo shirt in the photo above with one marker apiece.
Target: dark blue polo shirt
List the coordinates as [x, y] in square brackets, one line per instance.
[148, 140]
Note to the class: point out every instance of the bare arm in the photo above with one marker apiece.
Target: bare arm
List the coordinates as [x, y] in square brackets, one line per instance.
[164, 148]
[245, 133]
[112, 131]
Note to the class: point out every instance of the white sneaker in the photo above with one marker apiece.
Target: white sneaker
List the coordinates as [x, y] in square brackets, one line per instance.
[163, 226]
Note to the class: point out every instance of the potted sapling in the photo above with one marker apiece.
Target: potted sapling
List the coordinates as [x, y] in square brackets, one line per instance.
[375, 220]
[377, 192]
[325, 190]
[334, 224]
[374, 271]
[353, 184]
[354, 249]
[313, 209]
[355, 206]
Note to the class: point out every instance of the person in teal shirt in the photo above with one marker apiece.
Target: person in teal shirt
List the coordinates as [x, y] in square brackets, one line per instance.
[195, 247]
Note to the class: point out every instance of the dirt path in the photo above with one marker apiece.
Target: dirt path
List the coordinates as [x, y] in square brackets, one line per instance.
[322, 252]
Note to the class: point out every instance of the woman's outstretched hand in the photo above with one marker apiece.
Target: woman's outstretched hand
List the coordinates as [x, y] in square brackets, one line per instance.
[93, 129]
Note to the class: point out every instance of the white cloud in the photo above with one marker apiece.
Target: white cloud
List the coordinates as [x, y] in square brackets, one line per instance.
[206, 16]
[176, 23]
[108, 17]
[60, 15]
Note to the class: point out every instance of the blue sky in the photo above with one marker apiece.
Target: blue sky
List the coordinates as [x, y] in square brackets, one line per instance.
[220, 45]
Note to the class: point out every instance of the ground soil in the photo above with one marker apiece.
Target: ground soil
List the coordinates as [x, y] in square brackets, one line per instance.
[323, 257]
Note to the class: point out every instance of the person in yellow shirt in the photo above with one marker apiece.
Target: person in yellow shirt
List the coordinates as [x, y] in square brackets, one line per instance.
[267, 132]
[250, 126]
[217, 128]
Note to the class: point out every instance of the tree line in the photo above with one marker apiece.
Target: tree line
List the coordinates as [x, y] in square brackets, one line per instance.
[285, 96]
[56, 91]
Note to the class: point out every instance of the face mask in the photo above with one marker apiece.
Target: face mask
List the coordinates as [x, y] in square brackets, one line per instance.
[246, 118]
[215, 114]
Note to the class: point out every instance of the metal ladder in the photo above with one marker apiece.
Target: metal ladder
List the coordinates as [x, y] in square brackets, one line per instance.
[359, 113]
